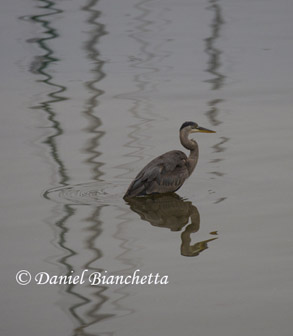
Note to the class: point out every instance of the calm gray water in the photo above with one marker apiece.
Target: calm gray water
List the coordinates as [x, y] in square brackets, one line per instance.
[93, 90]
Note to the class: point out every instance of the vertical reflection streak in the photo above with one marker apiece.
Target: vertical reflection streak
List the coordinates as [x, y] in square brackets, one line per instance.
[145, 65]
[218, 78]
[93, 54]
[40, 66]
[214, 60]
[140, 105]
[88, 312]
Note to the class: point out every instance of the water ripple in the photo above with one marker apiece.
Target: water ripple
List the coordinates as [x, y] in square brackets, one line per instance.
[95, 193]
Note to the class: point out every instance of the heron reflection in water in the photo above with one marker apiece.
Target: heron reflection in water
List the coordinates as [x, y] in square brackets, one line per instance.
[171, 211]
[168, 172]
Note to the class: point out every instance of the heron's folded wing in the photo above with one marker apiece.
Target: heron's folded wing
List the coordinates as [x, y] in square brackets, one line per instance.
[147, 176]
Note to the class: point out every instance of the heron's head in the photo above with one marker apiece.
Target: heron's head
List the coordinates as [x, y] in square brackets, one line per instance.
[192, 127]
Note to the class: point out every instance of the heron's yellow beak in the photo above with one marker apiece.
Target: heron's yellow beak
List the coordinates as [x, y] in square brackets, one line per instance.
[202, 130]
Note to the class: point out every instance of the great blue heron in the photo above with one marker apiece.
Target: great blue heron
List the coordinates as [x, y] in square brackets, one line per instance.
[168, 172]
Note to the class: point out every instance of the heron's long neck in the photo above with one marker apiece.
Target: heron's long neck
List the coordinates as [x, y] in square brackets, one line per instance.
[193, 147]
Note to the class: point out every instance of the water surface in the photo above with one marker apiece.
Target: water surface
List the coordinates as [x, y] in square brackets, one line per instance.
[90, 93]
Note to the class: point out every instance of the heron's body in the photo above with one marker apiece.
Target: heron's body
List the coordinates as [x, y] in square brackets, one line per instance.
[168, 172]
